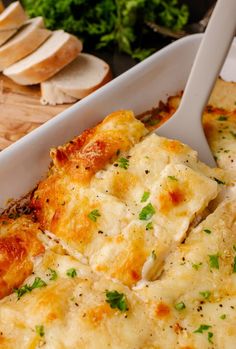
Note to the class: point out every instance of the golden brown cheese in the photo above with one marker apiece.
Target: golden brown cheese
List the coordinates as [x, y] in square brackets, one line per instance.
[105, 220]
[18, 245]
[178, 188]
[77, 161]
[72, 312]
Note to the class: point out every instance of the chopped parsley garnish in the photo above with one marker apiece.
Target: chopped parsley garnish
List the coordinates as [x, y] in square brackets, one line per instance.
[53, 274]
[223, 316]
[38, 283]
[180, 306]
[209, 337]
[208, 231]
[147, 212]
[71, 272]
[234, 265]
[214, 261]
[222, 118]
[202, 328]
[173, 178]
[123, 163]
[154, 256]
[40, 330]
[205, 294]
[149, 226]
[116, 300]
[145, 196]
[196, 266]
[218, 181]
[93, 215]
[234, 248]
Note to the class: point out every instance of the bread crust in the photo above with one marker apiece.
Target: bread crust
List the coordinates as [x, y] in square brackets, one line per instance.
[14, 19]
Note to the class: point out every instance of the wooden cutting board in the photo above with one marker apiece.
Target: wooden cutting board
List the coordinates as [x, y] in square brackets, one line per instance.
[21, 111]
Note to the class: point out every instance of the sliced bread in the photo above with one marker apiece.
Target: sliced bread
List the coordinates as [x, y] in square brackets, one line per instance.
[81, 77]
[11, 19]
[55, 53]
[27, 40]
[52, 95]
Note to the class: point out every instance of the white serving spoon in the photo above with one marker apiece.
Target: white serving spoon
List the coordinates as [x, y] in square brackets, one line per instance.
[186, 124]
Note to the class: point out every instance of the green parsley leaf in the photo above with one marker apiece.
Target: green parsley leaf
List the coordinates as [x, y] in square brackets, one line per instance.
[209, 337]
[196, 266]
[234, 248]
[202, 328]
[116, 300]
[145, 196]
[223, 316]
[234, 265]
[149, 226]
[222, 118]
[208, 231]
[219, 181]
[40, 330]
[123, 163]
[154, 256]
[93, 215]
[38, 283]
[147, 212]
[22, 290]
[71, 272]
[214, 261]
[180, 306]
[173, 178]
[205, 294]
[53, 274]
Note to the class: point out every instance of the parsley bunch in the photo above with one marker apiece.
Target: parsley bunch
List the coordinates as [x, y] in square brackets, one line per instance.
[110, 23]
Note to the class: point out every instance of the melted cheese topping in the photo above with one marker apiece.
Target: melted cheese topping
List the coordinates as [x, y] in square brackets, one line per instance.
[73, 312]
[178, 188]
[133, 213]
[200, 274]
[18, 245]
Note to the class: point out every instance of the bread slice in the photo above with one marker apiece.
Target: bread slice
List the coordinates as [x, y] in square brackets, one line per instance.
[11, 19]
[52, 95]
[81, 77]
[27, 40]
[59, 50]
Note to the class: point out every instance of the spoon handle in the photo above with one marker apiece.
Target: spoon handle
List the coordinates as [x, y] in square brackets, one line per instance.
[210, 57]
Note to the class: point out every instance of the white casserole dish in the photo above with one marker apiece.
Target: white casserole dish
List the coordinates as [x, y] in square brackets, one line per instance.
[25, 162]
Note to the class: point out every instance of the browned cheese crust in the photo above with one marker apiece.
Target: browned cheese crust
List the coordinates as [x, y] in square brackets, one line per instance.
[18, 245]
